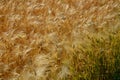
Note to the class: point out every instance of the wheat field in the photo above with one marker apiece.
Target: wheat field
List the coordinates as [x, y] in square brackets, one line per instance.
[59, 39]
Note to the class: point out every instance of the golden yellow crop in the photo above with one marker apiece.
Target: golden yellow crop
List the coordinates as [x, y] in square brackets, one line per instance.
[48, 39]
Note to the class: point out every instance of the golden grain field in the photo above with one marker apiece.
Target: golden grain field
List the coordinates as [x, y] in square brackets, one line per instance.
[51, 39]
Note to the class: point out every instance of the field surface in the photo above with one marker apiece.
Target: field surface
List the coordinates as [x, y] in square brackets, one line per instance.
[59, 39]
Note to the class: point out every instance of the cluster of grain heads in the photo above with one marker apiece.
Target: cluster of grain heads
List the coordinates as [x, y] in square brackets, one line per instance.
[47, 39]
[99, 60]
